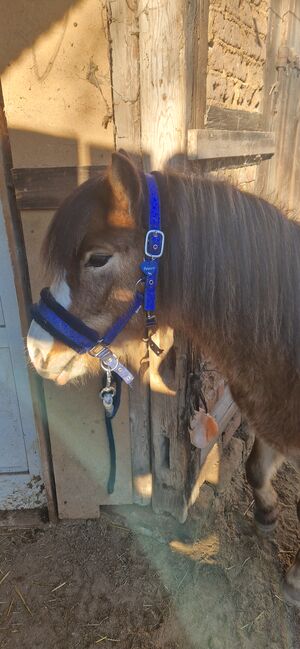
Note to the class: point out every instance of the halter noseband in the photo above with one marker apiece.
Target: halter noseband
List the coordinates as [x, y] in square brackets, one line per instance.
[74, 333]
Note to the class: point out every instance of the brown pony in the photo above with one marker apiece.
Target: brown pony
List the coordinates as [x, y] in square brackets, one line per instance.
[229, 280]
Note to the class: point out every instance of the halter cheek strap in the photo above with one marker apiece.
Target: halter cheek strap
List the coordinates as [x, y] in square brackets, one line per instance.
[154, 246]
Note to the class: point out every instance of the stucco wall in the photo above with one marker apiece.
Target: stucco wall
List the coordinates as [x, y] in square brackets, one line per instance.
[236, 53]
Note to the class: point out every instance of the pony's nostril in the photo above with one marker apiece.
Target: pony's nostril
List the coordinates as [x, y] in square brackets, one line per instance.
[36, 354]
[39, 359]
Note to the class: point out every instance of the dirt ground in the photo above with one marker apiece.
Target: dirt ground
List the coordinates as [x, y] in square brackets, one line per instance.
[134, 580]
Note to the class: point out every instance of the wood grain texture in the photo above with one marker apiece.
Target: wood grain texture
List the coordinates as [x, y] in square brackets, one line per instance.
[287, 121]
[171, 449]
[266, 173]
[163, 79]
[278, 178]
[123, 18]
[124, 43]
[139, 423]
[233, 120]
[207, 144]
[197, 14]
[44, 188]
[163, 74]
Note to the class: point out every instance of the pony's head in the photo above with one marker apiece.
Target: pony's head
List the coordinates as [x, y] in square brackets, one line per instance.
[92, 250]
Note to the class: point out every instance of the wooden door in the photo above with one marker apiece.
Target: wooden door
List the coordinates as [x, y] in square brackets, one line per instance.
[20, 476]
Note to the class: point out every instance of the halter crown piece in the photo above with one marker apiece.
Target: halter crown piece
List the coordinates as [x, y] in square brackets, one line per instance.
[74, 333]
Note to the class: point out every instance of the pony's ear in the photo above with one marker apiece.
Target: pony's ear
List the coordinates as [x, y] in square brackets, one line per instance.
[124, 153]
[126, 184]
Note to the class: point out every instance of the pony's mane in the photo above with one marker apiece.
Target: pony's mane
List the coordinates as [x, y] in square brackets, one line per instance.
[232, 262]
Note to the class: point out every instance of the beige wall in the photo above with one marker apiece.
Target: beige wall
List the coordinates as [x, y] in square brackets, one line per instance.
[55, 97]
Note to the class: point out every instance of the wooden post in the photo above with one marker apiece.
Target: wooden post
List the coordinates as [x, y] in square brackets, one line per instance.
[277, 178]
[173, 50]
[124, 53]
[159, 92]
[196, 56]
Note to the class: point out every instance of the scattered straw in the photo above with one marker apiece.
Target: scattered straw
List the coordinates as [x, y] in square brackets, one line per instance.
[4, 577]
[244, 562]
[252, 621]
[97, 623]
[120, 527]
[108, 639]
[58, 587]
[23, 600]
[277, 597]
[249, 507]
[9, 608]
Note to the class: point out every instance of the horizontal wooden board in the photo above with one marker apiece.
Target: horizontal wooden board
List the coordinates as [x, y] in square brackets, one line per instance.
[224, 410]
[44, 188]
[210, 144]
[233, 120]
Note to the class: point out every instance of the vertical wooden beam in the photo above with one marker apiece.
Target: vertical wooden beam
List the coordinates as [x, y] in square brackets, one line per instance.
[277, 178]
[163, 79]
[288, 166]
[173, 61]
[124, 53]
[196, 58]
[266, 172]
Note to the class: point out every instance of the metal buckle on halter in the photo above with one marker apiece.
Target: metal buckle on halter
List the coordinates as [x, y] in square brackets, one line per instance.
[110, 362]
[154, 243]
[95, 351]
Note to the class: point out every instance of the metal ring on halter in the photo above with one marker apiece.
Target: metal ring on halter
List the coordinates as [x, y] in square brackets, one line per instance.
[107, 390]
[140, 281]
[107, 367]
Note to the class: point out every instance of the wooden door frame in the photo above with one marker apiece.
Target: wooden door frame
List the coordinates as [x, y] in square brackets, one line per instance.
[12, 223]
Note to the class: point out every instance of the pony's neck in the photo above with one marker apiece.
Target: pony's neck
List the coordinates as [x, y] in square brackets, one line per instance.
[231, 264]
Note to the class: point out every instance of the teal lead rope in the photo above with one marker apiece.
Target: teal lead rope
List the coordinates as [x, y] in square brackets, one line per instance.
[111, 397]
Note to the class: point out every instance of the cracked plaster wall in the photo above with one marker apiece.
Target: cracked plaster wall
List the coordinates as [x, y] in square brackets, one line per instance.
[237, 53]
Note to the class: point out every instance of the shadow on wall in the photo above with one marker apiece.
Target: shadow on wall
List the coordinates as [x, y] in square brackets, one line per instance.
[15, 39]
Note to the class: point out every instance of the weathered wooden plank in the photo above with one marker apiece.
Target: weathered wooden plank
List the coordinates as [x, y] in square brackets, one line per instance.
[124, 41]
[224, 410]
[44, 188]
[227, 415]
[266, 181]
[207, 144]
[139, 423]
[279, 180]
[196, 60]
[123, 19]
[233, 120]
[173, 460]
[163, 78]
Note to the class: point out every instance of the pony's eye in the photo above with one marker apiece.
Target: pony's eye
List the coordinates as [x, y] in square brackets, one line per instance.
[97, 260]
